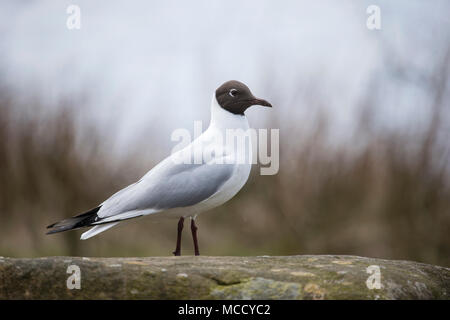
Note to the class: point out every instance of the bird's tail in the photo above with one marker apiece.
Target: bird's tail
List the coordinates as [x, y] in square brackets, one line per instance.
[97, 229]
[80, 221]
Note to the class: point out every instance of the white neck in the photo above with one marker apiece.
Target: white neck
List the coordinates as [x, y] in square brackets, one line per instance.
[223, 119]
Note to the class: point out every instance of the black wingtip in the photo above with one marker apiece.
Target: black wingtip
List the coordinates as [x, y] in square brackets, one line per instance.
[60, 229]
[81, 220]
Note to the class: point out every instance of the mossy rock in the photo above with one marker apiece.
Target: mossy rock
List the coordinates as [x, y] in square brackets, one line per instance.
[266, 277]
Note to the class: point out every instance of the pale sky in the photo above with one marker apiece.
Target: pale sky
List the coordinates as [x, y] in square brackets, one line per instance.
[147, 64]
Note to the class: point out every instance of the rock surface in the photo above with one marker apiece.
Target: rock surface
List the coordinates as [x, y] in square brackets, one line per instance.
[291, 277]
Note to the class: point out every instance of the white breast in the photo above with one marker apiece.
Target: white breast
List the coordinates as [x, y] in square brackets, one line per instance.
[221, 121]
[230, 188]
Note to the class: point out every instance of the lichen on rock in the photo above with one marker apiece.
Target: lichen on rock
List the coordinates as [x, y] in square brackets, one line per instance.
[286, 277]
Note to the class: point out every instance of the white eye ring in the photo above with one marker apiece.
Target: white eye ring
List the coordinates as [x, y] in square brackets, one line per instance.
[232, 92]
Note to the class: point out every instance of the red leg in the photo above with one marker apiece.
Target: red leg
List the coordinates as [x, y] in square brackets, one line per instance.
[177, 251]
[194, 236]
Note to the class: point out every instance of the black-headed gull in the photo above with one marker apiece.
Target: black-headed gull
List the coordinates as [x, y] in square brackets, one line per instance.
[180, 187]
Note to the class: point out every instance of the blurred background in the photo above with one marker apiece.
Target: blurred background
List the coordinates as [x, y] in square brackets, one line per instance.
[364, 119]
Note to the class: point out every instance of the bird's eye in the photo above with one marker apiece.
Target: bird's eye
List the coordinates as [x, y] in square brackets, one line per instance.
[233, 92]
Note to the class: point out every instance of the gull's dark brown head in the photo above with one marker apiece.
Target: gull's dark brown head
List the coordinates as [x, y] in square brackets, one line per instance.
[236, 97]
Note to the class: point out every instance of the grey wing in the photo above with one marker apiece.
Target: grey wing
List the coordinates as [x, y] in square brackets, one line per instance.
[167, 186]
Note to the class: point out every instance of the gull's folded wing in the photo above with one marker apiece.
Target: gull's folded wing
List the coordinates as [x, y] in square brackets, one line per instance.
[168, 185]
